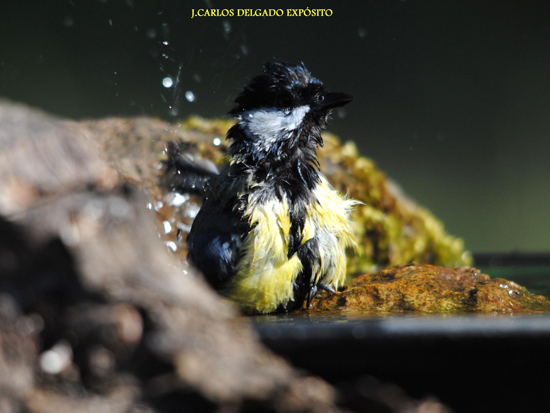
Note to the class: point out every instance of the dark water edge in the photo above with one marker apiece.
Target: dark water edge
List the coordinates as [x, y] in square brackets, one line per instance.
[532, 270]
[475, 363]
[471, 362]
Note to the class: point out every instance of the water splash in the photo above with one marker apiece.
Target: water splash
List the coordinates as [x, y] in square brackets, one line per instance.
[190, 96]
[172, 245]
[68, 21]
[176, 199]
[226, 27]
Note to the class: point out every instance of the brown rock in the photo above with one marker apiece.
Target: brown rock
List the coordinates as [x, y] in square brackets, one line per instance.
[430, 289]
[40, 156]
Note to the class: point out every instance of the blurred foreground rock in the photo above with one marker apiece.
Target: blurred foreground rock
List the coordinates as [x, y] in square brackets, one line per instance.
[96, 315]
[429, 289]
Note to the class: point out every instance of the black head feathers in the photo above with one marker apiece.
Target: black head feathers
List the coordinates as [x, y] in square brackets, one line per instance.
[282, 86]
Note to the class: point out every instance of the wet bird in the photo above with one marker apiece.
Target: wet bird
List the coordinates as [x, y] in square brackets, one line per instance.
[272, 230]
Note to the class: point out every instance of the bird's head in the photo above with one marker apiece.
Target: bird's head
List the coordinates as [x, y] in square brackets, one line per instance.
[283, 109]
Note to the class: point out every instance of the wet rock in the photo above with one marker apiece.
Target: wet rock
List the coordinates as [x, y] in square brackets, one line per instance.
[430, 289]
[138, 148]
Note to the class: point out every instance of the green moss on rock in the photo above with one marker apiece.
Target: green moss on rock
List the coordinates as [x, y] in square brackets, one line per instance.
[431, 289]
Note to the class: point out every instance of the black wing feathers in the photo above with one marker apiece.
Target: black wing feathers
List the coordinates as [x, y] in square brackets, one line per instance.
[215, 241]
[184, 172]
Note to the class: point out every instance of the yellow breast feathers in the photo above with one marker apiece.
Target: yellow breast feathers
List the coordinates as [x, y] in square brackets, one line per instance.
[265, 274]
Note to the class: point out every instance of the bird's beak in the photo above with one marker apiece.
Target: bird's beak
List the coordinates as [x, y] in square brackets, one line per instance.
[335, 100]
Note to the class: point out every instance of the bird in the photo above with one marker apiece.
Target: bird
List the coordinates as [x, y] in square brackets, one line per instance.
[272, 230]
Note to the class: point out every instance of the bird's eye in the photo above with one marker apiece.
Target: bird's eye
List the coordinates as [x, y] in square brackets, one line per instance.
[284, 101]
[319, 97]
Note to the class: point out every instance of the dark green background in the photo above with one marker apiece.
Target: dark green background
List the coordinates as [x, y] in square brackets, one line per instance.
[452, 99]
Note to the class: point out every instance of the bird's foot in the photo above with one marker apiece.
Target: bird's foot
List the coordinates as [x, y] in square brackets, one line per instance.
[315, 288]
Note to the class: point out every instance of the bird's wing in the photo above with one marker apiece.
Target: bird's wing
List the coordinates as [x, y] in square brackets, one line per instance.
[215, 241]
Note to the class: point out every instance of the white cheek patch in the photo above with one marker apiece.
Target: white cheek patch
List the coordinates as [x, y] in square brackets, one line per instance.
[268, 126]
[269, 122]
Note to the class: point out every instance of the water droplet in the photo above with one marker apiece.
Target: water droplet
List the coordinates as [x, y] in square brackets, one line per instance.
[151, 33]
[68, 21]
[172, 245]
[217, 141]
[244, 49]
[190, 96]
[167, 82]
[197, 78]
[110, 22]
[226, 27]
[362, 32]
[178, 199]
[165, 43]
[149, 205]
[158, 205]
[173, 111]
[57, 359]
[192, 210]
[167, 227]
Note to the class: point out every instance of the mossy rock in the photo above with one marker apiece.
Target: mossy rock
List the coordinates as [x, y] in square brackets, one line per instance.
[431, 289]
